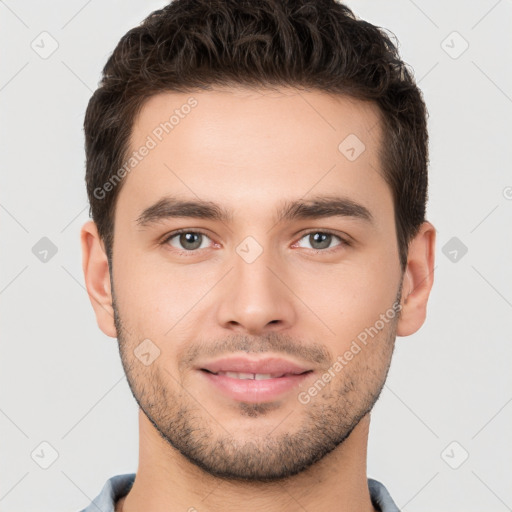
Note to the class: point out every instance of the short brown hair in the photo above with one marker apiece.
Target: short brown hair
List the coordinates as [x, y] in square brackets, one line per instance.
[311, 44]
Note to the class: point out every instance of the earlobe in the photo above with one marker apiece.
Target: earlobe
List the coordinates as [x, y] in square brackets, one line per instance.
[97, 277]
[418, 280]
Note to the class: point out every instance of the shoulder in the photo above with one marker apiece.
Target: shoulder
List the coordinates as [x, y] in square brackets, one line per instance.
[380, 497]
[114, 489]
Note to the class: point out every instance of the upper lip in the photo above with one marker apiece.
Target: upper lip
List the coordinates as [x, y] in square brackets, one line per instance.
[268, 365]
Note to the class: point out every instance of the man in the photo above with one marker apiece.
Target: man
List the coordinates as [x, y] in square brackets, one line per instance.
[257, 173]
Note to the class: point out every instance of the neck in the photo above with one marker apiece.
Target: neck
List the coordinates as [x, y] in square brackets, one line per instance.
[166, 481]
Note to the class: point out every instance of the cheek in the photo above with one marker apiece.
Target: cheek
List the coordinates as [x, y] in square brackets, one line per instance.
[348, 298]
[155, 298]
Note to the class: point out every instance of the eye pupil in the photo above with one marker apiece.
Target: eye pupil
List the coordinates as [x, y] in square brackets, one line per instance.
[323, 236]
[188, 238]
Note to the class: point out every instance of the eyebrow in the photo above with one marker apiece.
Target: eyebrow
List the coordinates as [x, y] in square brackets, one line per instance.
[316, 207]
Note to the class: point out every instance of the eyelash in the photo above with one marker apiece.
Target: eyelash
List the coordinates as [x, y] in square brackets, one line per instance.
[343, 241]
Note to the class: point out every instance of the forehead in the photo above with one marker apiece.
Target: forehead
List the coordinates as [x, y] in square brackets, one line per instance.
[249, 146]
[224, 116]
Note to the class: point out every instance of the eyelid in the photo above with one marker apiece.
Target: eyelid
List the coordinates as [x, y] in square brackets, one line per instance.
[167, 236]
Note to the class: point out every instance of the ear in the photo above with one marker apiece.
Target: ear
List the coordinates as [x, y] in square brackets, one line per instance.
[418, 280]
[97, 277]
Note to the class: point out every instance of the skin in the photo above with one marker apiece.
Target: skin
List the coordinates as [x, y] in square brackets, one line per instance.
[248, 151]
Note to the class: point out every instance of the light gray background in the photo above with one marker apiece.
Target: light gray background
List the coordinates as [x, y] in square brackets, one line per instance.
[61, 379]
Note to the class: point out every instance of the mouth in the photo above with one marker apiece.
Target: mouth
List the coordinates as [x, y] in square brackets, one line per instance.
[242, 378]
[243, 367]
[254, 376]
[254, 387]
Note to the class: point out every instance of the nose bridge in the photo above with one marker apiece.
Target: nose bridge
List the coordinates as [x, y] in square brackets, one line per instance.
[255, 299]
[251, 266]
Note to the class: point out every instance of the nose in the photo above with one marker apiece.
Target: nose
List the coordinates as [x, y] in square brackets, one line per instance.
[255, 298]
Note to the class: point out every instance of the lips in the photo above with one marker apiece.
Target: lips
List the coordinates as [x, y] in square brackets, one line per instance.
[254, 376]
[264, 380]
[259, 369]
[260, 389]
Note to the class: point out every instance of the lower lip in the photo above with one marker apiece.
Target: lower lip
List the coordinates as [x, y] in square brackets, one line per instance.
[255, 391]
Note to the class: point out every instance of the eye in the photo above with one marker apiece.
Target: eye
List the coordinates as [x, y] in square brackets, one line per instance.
[321, 240]
[186, 240]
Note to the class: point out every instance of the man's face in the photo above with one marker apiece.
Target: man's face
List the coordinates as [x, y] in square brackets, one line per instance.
[300, 288]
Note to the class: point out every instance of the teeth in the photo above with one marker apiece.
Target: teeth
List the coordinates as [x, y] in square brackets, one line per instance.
[254, 376]
[263, 376]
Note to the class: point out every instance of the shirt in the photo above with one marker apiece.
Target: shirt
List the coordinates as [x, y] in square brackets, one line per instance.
[120, 485]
